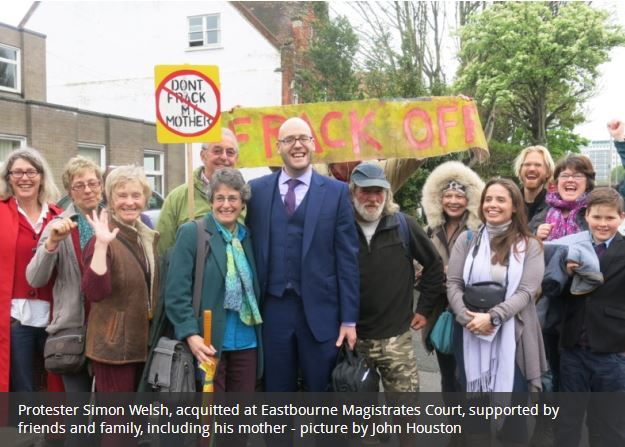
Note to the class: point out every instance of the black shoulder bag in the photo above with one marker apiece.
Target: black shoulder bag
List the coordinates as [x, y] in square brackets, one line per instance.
[482, 296]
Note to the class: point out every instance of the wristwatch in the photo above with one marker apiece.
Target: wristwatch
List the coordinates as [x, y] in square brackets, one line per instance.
[495, 320]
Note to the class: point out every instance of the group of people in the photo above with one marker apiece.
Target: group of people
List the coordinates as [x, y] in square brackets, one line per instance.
[300, 263]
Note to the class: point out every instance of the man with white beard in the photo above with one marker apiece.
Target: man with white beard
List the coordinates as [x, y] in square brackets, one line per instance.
[389, 242]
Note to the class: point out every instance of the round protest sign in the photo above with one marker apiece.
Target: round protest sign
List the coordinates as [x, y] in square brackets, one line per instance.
[187, 103]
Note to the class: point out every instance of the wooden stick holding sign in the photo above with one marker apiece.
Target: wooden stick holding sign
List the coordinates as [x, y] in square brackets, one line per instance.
[208, 321]
[190, 179]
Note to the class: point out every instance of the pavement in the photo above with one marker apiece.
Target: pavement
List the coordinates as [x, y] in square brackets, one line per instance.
[429, 374]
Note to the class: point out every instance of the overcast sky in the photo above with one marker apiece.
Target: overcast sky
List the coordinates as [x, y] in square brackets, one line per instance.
[608, 103]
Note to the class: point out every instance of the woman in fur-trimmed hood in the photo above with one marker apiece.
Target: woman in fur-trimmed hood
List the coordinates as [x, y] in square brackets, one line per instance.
[451, 198]
[448, 218]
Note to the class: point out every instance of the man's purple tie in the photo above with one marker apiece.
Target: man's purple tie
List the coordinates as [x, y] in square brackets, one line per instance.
[600, 249]
[289, 198]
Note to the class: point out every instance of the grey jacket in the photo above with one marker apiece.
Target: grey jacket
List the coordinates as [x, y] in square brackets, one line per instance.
[68, 308]
[588, 275]
[530, 350]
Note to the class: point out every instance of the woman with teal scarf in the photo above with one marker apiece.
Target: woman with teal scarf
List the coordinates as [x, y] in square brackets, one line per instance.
[229, 290]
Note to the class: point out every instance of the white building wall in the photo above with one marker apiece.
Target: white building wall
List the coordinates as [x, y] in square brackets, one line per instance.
[604, 158]
[101, 55]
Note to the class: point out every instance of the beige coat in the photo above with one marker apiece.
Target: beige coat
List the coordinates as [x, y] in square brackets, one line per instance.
[530, 350]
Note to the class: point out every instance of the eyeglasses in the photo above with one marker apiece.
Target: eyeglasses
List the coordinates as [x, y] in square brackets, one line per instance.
[230, 199]
[30, 173]
[219, 151]
[81, 186]
[304, 139]
[577, 176]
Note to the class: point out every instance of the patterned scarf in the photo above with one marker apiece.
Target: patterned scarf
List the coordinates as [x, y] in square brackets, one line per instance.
[85, 231]
[240, 295]
[563, 226]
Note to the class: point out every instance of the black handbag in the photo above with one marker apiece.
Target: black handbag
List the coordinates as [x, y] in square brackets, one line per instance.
[354, 373]
[64, 352]
[482, 296]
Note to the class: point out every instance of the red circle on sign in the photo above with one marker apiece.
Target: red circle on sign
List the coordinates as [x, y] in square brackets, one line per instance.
[212, 85]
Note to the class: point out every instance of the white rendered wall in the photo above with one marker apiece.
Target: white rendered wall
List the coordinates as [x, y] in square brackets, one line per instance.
[101, 55]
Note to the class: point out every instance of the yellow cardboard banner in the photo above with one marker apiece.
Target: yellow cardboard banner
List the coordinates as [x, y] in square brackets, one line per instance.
[188, 103]
[363, 130]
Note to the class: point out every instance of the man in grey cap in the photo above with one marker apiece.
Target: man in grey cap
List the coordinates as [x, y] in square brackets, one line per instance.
[389, 242]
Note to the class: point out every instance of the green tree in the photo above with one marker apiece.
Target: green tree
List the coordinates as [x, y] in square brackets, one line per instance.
[532, 65]
[327, 72]
[402, 48]
[617, 175]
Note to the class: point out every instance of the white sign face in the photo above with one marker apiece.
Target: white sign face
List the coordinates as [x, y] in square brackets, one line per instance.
[187, 104]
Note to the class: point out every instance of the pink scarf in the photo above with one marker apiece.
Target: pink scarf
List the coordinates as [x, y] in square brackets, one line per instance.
[563, 226]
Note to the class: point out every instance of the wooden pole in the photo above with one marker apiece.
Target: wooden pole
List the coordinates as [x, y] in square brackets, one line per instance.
[190, 179]
[208, 321]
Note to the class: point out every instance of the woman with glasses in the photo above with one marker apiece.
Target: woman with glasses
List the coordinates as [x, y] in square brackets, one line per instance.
[566, 204]
[564, 215]
[230, 287]
[27, 191]
[60, 250]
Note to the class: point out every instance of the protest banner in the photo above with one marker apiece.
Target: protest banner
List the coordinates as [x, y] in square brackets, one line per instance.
[363, 130]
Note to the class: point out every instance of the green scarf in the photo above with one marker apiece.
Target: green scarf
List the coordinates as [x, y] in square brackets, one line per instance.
[239, 296]
[85, 230]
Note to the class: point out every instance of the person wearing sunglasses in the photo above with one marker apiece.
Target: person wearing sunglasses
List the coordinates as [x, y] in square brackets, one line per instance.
[27, 193]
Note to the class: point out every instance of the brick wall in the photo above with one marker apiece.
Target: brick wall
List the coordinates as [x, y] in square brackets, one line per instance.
[32, 61]
[57, 130]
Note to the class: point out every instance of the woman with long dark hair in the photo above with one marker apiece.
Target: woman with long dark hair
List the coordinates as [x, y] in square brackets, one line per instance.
[499, 349]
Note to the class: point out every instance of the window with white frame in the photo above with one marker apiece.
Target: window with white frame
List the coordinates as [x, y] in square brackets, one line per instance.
[10, 79]
[8, 143]
[153, 164]
[94, 152]
[205, 31]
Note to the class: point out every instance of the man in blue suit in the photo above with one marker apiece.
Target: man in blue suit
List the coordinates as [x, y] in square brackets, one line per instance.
[306, 249]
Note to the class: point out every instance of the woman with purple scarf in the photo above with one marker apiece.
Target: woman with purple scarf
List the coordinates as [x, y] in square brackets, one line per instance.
[574, 178]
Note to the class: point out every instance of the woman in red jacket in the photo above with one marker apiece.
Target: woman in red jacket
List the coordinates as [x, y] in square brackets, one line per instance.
[27, 191]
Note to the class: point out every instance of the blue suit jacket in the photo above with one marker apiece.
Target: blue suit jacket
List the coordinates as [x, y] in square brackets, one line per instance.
[330, 280]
